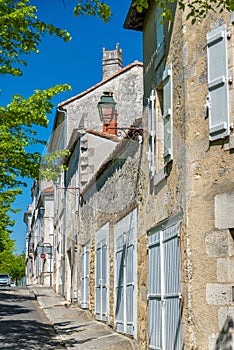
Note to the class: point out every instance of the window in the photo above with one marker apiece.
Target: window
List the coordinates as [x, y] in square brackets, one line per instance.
[159, 30]
[218, 83]
[160, 42]
[167, 113]
[85, 277]
[160, 124]
[125, 274]
[101, 273]
[164, 302]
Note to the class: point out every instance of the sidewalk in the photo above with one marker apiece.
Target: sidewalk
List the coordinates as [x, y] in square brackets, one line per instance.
[76, 328]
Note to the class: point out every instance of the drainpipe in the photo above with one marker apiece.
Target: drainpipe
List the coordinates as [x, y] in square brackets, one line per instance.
[64, 210]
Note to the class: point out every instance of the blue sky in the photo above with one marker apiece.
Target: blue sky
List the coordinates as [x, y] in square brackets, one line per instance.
[77, 63]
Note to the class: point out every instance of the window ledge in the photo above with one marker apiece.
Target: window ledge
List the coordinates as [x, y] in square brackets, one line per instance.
[230, 145]
[160, 176]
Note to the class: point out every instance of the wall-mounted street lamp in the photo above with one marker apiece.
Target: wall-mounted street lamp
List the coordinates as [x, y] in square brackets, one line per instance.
[107, 112]
[106, 108]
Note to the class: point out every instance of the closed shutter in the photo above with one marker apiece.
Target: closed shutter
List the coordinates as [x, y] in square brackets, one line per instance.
[120, 284]
[172, 290]
[130, 285]
[160, 39]
[164, 309]
[218, 83]
[151, 127]
[85, 277]
[98, 306]
[159, 29]
[154, 293]
[101, 273]
[125, 274]
[104, 281]
[167, 113]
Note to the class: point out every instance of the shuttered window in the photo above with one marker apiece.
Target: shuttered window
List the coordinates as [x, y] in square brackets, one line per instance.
[102, 273]
[151, 124]
[85, 277]
[218, 104]
[159, 30]
[164, 306]
[125, 275]
[160, 39]
[167, 113]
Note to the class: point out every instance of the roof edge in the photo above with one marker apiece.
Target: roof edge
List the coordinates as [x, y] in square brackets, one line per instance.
[121, 71]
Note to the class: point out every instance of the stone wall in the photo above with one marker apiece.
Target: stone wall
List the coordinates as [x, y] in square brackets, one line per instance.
[199, 182]
[127, 91]
[109, 199]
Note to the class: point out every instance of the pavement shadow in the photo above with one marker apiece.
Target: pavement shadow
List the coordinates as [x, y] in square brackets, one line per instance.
[10, 304]
[28, 335]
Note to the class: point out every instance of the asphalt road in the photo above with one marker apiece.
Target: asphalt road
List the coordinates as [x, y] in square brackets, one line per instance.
[23, 326]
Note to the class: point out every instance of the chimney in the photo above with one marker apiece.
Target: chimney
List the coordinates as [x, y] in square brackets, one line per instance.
[111, 61]
[111, 128]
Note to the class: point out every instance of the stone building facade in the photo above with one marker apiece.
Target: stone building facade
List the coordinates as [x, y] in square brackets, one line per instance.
[144, 233]
[185, 217]
[77, 127]
[109, 203]
[40, 234]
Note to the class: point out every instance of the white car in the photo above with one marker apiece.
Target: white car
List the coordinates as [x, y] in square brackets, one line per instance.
[5, 280]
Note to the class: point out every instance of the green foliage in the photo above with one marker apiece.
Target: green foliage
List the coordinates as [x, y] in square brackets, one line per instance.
[20, 34]
[17, 267]
[17, 133]
[197, 9]
[93, 8]
[52, 165]
[12, 264]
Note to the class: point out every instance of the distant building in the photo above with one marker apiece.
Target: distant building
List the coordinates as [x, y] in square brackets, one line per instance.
[78, 128]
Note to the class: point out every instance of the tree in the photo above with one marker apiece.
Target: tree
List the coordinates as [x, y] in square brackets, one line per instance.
[20, 34]
[197, 9]
[14, 265]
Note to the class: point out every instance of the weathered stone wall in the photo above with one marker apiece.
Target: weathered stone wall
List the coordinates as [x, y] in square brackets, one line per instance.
[109, 199]
[199, 174]
[127, 91]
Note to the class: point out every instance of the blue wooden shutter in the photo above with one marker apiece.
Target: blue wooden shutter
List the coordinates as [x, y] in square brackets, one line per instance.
[171, 250]
[119, 283]
[151, 128]
[154, 292]
[167, 113]
[85, 277]
[164, 305]
[101, 273]
[159, 30]
[125, 274]
[98, 308]
[218, 83]
[160, 39]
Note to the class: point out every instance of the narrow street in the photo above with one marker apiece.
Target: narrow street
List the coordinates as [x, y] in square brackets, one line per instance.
[23, 325]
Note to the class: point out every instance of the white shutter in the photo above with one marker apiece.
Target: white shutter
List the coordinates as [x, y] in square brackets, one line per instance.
[125, 274]
[85, 277]
[151, 128]
[167, 113]
[164, 305]
[101, 273]
[218, 83]
[159, 29]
